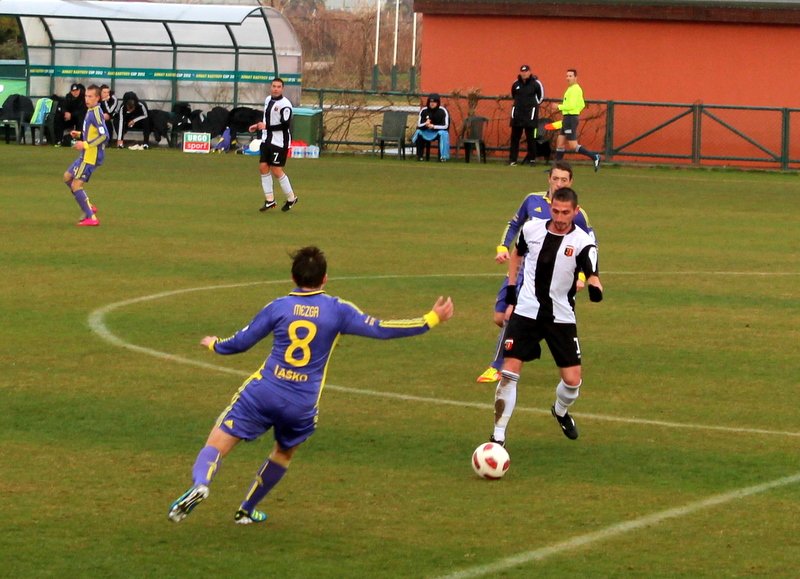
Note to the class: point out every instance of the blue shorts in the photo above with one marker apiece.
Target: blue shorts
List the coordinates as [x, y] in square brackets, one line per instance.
[81, 171]
[500, 304]
[259, 406]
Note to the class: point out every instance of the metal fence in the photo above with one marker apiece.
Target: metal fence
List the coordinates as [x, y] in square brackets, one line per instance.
[627, 132]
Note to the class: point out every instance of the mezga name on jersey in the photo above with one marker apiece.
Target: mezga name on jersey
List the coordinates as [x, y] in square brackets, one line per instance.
[306, 327]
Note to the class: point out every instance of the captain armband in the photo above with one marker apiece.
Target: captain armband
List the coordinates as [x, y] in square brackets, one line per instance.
[511, 295]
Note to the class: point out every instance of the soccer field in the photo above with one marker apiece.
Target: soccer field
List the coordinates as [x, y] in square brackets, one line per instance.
[688, 462]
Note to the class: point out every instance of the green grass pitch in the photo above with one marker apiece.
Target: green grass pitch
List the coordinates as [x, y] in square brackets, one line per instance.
[688, 463]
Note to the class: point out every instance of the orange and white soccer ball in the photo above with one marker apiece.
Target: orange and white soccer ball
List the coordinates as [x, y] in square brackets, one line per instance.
[490, 461]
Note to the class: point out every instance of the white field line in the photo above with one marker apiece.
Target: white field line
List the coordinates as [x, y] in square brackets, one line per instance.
[487, 406]
[689, 179]
[629, 172]
[97, 324]
[617, 529]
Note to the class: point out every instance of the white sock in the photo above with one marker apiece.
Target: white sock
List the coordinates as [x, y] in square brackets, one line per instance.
[566, 396]
[266, 185]
[505, 398]
[286, 187]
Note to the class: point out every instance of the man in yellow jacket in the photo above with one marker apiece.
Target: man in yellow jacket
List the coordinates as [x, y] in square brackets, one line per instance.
[571, 108]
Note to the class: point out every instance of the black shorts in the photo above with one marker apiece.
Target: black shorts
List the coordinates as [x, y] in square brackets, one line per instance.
[524, 335]
[273, 156]
[569, 127]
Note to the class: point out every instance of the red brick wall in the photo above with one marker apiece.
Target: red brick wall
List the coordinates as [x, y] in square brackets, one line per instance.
[731, 64]
[627, 60]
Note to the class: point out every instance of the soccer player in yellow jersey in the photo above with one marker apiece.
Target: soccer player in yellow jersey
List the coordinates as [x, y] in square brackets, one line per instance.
[571, 108]
[91, 143]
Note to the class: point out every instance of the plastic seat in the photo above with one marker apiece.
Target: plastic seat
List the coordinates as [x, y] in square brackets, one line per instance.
[49, 129]
[472, 136]
[426, 146]
[392, 130]
[39, 119]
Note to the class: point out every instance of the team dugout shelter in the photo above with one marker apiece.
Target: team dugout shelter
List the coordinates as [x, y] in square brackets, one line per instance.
[197, 53]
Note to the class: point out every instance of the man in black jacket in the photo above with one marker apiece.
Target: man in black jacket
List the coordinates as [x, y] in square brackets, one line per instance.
[133, 114]
[528, 93]
[109, 105]
[433, 123]
[70, 112]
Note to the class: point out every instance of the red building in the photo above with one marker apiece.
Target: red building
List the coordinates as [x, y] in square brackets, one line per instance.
[675, 51]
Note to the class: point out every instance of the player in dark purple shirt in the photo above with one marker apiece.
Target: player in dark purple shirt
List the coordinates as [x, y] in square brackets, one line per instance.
[284, 393]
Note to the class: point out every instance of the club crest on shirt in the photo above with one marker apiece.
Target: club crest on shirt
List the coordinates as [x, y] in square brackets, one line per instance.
[508, 344]
[569, 251]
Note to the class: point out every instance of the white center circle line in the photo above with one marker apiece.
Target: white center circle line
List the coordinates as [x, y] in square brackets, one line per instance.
[98, 325]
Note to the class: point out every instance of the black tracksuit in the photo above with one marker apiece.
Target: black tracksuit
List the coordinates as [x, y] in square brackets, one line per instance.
[528, 95]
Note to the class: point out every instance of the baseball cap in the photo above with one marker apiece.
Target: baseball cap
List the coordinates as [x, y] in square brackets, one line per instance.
[75, 86]
[524, 68]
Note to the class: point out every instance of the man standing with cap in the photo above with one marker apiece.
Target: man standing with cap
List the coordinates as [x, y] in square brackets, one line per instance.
[528, 94]
[71, 112]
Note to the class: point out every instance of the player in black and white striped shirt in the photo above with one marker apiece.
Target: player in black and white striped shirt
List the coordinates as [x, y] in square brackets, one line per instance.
[555, 252]
[275, 143]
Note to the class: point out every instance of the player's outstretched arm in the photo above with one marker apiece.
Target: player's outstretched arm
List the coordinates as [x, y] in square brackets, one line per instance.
[209, 341]
[357, 323]
[443, 308]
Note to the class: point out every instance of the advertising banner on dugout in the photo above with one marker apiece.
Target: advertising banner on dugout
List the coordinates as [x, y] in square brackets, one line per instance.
[196, 142]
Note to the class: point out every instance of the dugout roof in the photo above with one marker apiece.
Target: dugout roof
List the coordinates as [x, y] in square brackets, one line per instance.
[198, 53]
